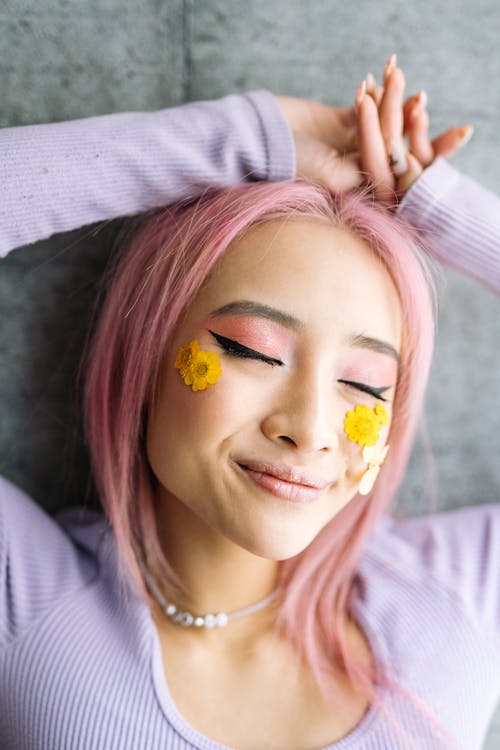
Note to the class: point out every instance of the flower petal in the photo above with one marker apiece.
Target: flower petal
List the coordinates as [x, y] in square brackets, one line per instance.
[368, 480]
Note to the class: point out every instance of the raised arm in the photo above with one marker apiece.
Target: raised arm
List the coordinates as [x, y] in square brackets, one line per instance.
[60, 176]
[458, 218]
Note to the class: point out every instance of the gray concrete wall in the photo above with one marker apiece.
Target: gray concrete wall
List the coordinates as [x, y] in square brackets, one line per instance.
[67, 58]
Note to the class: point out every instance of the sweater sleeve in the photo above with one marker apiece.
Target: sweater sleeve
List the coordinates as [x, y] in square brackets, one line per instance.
[461, 549]
[459, 220]
[39, 563]
[61, 176]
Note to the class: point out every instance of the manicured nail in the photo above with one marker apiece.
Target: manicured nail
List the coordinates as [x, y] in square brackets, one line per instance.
[466, 134]
[389, 66]
[360, 94]
[418, 106]
[422, 99]
[371, 83]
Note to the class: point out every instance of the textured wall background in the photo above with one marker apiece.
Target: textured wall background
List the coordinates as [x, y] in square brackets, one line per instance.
[63, 59]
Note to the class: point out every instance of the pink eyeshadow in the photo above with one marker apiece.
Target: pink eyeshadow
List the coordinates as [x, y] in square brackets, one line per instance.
[256, 333]
[371, 368]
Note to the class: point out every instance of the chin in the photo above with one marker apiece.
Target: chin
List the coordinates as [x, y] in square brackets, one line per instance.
[281, 547]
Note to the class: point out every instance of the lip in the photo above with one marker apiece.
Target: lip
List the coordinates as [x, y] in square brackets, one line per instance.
[285, 482]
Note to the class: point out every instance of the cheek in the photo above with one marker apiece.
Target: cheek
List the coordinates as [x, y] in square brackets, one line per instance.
[178, 417]
[353, 454]
[186, 423]
[209, 414]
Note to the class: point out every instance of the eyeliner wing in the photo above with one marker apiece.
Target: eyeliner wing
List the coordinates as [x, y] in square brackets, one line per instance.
[234, 347]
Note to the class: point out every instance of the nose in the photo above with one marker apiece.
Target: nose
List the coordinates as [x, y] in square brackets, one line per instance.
[304, 416]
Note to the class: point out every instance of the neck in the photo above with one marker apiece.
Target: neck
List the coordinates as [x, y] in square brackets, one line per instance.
[216, 573]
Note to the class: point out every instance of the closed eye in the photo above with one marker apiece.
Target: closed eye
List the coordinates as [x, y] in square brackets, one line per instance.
[376, 392]
[238, 350]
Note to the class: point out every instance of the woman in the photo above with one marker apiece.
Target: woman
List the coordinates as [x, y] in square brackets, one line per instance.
[215, 407]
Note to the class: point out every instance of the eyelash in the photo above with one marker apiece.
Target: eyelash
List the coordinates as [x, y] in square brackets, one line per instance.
[238, 350]
[235, 349]
[376, 392]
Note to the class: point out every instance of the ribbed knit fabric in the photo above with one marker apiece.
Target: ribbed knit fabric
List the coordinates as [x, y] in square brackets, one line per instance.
[80, 661]
[459, 219]
[60, 176]
[81, 666]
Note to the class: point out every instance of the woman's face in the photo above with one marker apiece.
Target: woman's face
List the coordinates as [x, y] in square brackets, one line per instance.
[261, 457]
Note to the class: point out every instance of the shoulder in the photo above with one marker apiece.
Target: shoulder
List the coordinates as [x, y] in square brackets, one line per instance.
[41, 560]
[461, 547]
[453, 555]
[428, 596]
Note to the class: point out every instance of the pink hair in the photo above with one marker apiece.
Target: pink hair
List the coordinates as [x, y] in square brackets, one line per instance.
[166, 263]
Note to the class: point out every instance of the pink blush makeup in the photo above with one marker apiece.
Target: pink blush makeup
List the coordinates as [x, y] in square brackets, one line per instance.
[262, 335]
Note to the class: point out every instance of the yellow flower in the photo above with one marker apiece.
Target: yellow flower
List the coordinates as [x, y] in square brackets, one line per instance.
[381, 413]
[362, 425]
[204, 371]
[199, 369]
[185, 356]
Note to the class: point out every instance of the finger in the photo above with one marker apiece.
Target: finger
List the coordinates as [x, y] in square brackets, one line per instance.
[447, 143]
[389, 67]
[418, 135]
[371, 83]
[391, 106]
[412, 174]
[391, 119]
[372, 89]
[378, 95]
[412, 102]
[372, 150]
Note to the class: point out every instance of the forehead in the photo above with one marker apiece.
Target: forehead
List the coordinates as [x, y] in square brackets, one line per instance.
[321, 274]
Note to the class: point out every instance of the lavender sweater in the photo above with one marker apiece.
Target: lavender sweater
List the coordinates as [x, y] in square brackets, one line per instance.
[80, 662]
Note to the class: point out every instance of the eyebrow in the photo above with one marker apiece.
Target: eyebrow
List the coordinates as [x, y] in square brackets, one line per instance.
[259, 310]
[375, 345]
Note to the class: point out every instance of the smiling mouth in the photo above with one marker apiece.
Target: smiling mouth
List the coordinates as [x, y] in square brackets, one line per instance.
[285, 482]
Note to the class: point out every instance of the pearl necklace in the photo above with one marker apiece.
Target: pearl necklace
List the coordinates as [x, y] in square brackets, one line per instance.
[188, 620]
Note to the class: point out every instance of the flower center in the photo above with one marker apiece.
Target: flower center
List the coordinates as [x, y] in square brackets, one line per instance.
[201, 369]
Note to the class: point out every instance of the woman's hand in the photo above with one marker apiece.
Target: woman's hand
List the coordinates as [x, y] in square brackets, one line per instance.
[344, 147]
[383, 121]
[325, 142]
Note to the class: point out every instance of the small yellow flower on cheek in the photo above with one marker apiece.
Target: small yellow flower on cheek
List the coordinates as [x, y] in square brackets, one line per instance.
[381, 414]
[185, 356]
[362, 425]
[199, 369]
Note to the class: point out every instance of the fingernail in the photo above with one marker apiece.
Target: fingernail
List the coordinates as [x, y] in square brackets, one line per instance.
[466, 134]
[422, 99]
[418, 106]
[397, 158]
[360, 94]
[389, 66]
[370, 81]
